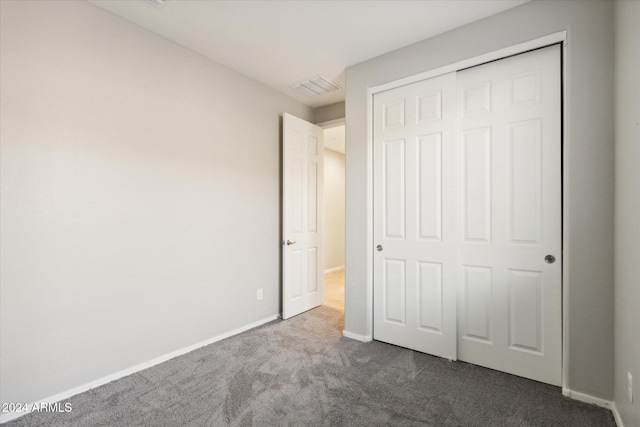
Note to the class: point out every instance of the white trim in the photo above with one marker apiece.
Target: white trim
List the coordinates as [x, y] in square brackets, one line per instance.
[566, 190]
[331, 270]
[369, 220]
[477, 60]
[332, 123]
[357, 337]
[559, 37]
[586, 398]
[603, 403]
[8, 416]
[616, 415]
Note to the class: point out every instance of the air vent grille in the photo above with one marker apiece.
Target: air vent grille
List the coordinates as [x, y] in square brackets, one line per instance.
[315, 86]
[156, 3]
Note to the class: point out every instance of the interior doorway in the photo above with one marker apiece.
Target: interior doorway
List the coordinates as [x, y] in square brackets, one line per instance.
[334, 215]
[313, 206]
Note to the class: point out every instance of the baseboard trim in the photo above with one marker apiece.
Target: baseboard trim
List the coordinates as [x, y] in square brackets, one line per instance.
[616, 415]
[331, 270]
[587, 398]
[358, 337]
[8, 416]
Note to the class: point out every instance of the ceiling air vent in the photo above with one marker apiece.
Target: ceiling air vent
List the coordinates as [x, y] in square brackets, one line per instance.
[156, 3]
[315, 86]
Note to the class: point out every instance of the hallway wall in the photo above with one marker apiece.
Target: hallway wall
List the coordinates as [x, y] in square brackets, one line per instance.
[334, 215]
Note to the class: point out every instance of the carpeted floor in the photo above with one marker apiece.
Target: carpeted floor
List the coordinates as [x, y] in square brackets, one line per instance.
[302, 372]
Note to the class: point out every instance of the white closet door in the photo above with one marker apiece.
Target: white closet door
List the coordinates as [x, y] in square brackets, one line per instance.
[414, 223]
[509, 140]
[467, 215]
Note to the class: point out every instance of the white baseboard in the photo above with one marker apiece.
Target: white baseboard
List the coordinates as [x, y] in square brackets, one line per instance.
[616, 415]
[587, 398]
[358, 337]
[8, 416]
[331, 270]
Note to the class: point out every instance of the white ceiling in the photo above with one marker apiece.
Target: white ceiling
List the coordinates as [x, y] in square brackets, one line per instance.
[282, 42]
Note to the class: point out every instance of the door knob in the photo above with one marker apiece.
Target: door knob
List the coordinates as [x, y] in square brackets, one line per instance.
[291, 242]
[549, 259]
[379, 248]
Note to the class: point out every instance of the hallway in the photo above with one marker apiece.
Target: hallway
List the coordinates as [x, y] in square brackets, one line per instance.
[334, 289]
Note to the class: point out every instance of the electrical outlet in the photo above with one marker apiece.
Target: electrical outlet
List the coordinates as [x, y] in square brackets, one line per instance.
[259, 294]
[630, 386]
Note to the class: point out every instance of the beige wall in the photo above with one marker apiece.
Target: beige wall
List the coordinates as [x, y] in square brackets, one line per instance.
[328, 113]
[140, 188]
[333, 209]
[588, 166]
[627, 209]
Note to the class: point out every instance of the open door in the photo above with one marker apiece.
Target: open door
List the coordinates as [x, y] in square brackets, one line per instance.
[302, 207]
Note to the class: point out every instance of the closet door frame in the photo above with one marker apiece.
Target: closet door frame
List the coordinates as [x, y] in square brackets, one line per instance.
[557, 38]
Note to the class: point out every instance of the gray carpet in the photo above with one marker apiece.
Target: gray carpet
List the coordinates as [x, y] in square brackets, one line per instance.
[302, 372]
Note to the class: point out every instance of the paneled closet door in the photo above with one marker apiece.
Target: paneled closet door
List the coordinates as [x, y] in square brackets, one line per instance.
[414, 221]
[510, 289]
[467, 215]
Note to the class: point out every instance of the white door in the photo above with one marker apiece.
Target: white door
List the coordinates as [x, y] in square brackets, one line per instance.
[414, 226]
[302, 179]
[476, 212]
[509, 298]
